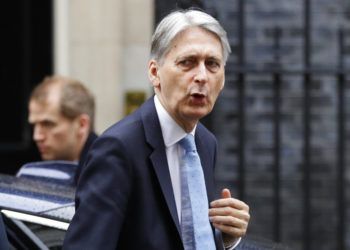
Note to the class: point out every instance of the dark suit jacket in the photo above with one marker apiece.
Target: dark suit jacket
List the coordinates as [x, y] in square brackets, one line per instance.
[124, 198]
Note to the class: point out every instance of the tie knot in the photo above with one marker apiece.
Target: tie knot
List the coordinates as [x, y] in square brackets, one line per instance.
[188, 143]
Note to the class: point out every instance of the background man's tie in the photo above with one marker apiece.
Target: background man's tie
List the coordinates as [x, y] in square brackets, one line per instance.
[195, 226]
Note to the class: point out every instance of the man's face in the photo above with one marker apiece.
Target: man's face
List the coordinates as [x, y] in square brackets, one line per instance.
[190, 77]
[55, 135]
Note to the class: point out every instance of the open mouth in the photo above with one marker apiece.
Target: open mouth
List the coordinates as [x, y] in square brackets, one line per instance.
[198, 95]
[198, 98]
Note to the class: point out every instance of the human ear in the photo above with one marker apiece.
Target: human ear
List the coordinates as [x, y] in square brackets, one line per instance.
[84, 123]
[153, 73]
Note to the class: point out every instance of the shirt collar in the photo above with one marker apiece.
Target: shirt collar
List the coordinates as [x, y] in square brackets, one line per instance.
[172, 132]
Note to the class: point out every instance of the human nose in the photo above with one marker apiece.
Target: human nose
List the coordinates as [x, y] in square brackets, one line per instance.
[38, 133]
[201, 74]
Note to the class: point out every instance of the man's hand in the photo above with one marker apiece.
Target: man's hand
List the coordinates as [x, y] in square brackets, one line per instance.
[230, 216]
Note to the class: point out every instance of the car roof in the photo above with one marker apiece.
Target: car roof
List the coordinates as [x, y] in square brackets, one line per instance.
[37, 197]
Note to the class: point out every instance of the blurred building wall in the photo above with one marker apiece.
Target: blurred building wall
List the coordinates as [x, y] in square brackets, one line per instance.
[106, 45]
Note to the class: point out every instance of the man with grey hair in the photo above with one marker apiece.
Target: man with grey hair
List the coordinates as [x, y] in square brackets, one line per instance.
[157, 164]
[61, 112]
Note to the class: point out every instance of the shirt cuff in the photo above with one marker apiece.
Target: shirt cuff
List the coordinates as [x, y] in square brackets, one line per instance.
[234, 244]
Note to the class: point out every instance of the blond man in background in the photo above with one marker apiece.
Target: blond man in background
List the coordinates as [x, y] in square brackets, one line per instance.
[61, 111]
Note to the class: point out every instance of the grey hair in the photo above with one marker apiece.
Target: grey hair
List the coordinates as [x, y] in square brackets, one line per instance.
[180, 20]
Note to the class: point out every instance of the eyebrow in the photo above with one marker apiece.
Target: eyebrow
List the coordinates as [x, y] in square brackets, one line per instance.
[215, 58]
[194, 55]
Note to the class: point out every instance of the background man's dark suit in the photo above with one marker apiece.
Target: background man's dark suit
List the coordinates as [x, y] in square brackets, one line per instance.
[131, 201]
[83, 155]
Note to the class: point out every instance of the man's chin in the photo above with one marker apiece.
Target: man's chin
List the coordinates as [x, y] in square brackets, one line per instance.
[198, 113]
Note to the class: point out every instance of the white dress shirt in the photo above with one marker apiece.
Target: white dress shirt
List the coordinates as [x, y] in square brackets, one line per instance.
[172, 134]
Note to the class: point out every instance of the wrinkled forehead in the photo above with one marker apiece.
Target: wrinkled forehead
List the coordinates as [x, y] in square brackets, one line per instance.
[190, 37]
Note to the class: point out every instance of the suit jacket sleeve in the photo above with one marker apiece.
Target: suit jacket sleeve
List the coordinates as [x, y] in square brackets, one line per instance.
[99, 202]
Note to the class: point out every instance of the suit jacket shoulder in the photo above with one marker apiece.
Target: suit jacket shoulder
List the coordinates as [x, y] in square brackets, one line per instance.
[124, 198]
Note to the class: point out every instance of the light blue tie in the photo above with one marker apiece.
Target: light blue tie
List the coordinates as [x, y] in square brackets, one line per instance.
[196, 231]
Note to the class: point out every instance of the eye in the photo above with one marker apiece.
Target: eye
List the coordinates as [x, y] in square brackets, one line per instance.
[48, 124]
[187, 63]
[213, 65]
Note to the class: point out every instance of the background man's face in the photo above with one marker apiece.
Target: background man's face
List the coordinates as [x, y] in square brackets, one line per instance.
[191, 75]
[55, 135]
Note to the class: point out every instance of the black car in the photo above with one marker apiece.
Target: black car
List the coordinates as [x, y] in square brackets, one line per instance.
[38, 204]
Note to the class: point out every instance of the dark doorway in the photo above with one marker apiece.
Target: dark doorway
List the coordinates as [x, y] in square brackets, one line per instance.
[26, 58]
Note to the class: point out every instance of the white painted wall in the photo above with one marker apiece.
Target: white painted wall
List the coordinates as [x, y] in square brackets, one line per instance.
[105, 44]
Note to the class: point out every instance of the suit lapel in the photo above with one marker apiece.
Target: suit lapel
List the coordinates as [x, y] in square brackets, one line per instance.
[159, 162]
[158, 157]
[207, 163]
